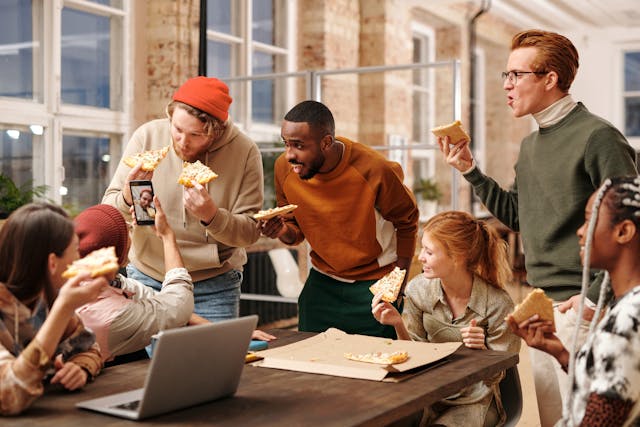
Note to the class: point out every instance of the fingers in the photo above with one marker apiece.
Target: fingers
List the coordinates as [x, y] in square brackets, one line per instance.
[565, 305]
[156, 202]
[443, 142]
[261, 335]
[377, 299]
[70, 376]
[272, 227]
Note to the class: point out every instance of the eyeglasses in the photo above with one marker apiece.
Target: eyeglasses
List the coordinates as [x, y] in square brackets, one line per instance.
[512, 76]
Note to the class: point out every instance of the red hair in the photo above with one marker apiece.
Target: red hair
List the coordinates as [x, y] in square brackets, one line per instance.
[464, 237]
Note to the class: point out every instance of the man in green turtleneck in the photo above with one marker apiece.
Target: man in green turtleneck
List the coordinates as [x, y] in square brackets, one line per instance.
[559, 166]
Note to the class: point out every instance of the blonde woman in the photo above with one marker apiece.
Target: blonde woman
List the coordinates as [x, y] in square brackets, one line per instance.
[459, 297]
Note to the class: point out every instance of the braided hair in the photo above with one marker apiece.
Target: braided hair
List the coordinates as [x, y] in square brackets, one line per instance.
[621, 196]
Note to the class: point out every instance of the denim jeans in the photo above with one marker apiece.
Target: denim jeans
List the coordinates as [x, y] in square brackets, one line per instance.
[217, 298]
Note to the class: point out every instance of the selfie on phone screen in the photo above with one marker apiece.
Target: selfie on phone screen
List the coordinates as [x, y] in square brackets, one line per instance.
[142, 193]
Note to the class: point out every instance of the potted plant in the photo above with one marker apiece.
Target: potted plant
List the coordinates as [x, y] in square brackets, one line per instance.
[428, 194]
[12, 196]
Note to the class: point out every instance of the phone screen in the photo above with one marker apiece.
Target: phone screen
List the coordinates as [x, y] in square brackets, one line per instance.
[144, 209]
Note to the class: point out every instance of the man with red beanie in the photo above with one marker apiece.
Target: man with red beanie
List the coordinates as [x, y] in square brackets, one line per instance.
[213, 223]
[127, 314]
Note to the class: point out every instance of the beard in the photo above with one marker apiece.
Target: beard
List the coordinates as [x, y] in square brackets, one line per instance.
[312, 169]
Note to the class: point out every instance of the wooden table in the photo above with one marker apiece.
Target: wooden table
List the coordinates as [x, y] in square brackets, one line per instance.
[268, 397]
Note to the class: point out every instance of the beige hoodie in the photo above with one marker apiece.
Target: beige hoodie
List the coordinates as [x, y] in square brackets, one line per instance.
[208, 251]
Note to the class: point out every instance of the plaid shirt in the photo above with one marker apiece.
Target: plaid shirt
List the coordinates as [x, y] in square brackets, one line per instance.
[24, 363]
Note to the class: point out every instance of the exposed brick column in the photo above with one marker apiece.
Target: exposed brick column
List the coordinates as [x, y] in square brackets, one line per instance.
[328, 39]
[171, 49]
[385, 98]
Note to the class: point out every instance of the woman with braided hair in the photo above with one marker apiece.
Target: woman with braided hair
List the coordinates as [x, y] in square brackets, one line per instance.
[605, 372]
[459, 297]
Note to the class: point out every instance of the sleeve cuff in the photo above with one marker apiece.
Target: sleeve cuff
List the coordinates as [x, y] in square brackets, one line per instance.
[472, 168]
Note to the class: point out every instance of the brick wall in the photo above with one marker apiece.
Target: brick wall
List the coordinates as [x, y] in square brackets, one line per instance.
[169, 50]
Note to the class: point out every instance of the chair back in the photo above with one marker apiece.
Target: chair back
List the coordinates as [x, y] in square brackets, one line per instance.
[511, 393]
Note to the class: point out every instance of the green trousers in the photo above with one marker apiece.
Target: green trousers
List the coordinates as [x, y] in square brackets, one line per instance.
[329, 303]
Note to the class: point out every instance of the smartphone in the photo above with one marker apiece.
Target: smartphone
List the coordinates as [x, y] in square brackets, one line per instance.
[143, 207]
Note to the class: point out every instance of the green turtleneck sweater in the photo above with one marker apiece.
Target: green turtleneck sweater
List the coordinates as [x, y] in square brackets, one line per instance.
[558, 169]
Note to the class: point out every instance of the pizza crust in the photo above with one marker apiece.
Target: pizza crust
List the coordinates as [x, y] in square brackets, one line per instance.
[390, 284]
[535, 303]
[453, 130]
[379, 357]
[196, 171]
[150, 159]
[270, 213]
[101, 262]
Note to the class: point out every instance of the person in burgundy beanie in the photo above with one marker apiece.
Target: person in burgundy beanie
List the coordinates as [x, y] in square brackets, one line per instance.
[128, 313]
[213, 223]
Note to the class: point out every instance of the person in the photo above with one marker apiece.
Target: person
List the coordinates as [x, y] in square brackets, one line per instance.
[605, 372]
[354, 210]
[146, 211]
[459, 296]
[559, 165]
[128, 313]
[41, 338]
[213, 223]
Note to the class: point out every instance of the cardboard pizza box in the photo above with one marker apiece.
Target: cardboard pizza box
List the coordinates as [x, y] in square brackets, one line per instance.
[324, 354]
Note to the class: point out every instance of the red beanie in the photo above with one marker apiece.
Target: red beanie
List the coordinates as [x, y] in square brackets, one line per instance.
[101, 226]
[207, 94]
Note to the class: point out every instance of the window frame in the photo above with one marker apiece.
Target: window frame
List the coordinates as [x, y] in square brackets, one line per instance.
[622, 114]
[58, 118]
[242, 64]
[428, 36]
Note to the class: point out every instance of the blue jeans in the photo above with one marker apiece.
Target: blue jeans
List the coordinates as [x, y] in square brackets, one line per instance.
[217, 298]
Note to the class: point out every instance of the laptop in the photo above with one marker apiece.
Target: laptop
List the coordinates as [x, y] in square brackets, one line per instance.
[190, 365]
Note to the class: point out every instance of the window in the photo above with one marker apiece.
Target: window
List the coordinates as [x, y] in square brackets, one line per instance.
[423, 159]
[245, 38]
[63, 130]
[21, 45]
[632, 94]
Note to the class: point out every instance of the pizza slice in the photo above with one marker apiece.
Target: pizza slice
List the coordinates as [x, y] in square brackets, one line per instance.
[270, 213]
[453, 130]
[379, 357]
[390, 284]
[196, 171]
[101, 262]
[535, 303]
[150, 158]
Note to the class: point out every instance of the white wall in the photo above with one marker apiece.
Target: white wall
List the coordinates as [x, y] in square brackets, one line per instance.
[599, 83]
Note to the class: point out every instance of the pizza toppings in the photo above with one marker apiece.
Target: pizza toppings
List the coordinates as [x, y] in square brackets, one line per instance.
[150, 158]
[379, 357]
[389, 284]
[453, 130]
[535, 303]
[196, 171]
[101, 262]
[270, 213]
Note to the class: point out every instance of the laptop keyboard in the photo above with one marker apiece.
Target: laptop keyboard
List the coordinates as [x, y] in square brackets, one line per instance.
[130, 406]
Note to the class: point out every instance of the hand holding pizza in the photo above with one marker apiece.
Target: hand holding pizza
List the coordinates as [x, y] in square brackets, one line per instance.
[454, 144]
[80, 289]
[385, 312]
[473, 336]
[198, 201]
[538, 334]
[273, 227]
